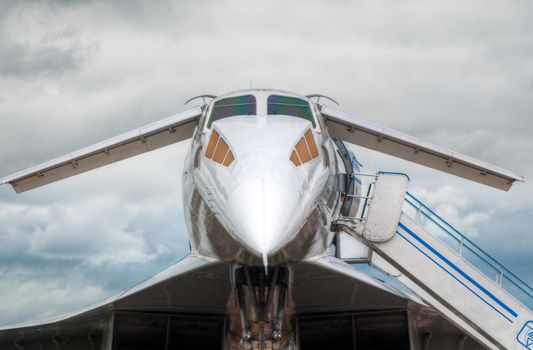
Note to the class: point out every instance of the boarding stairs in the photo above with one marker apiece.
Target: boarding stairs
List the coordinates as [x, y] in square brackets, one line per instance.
[442, 266]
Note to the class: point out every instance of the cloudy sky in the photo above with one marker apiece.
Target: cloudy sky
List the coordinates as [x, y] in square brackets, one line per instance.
[456, 73]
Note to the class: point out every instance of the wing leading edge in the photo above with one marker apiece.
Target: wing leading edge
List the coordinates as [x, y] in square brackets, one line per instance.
[162, 133]
[182, 286]
[373, 136]
[197, 286]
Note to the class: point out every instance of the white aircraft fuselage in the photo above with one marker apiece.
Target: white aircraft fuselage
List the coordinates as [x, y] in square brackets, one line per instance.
[251, 203]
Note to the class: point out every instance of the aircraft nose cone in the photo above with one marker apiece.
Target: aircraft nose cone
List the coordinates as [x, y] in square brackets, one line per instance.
[264, 215]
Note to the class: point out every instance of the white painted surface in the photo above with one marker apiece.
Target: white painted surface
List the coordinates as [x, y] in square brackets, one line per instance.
[350, 249]
[376, 137]
[385, 207]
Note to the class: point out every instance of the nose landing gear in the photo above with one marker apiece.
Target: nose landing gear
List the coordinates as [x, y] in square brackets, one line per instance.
[263, 308]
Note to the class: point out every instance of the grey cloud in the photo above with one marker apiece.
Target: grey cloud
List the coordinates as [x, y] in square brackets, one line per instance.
[21, 60]
[51, 52]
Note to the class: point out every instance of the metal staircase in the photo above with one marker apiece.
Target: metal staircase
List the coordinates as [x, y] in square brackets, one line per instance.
[470, 251]
[445, 268]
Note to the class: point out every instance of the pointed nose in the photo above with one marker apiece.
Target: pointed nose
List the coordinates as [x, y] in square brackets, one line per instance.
[264, 214]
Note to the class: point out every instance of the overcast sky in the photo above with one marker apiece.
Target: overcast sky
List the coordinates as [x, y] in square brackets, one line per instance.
[455, 73]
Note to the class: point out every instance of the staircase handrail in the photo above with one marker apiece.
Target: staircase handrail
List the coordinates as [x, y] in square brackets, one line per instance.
[473, 247]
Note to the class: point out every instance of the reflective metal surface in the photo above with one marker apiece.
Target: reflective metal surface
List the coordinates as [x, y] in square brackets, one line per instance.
[261, 209]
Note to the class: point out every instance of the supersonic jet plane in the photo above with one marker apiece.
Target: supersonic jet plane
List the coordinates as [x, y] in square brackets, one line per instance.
[267, 184]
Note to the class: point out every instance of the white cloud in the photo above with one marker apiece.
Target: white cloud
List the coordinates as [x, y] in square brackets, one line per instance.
[455, 205]
[29, 294]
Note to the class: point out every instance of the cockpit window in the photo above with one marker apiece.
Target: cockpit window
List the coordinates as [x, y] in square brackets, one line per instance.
[290, 106]
[232, 106]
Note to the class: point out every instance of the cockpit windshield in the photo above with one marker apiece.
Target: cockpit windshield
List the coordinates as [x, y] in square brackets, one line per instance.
[292, 106]
[232, 106]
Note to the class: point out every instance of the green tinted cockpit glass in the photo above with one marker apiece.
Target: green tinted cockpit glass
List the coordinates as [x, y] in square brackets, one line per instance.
[232, 106]
[292, 106]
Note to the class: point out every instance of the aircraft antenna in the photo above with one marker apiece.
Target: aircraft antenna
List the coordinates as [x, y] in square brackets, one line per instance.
[203, 97]
[318, 96]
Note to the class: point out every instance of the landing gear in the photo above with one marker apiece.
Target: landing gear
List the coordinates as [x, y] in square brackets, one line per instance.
[262, 302]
